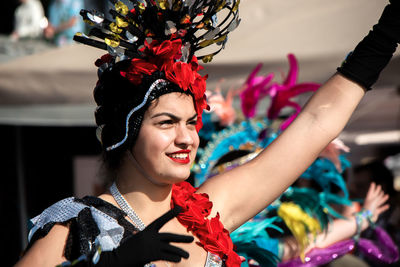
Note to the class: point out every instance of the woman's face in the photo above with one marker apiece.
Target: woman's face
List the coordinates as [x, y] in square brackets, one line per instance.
[167, 143]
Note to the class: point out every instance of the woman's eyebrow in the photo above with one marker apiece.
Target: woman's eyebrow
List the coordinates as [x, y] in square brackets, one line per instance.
[193, 117]
[172, 116]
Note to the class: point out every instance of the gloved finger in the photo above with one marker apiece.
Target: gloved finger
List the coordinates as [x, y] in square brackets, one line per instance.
[168, 237]
[163, 219]
[170, 257]
[175, 250]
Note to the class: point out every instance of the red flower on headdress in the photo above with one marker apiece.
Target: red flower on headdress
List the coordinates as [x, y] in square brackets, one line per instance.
[137, 69]
[199, 91]
[181, 74]
[165, 57]
[107, 58]
[167, 50]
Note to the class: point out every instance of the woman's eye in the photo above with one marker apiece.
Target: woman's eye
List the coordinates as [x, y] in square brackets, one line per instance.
[193, 122]
[166, 122]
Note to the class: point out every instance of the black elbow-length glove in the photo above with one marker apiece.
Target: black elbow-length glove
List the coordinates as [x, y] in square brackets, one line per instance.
[145, 246]
[374, 52]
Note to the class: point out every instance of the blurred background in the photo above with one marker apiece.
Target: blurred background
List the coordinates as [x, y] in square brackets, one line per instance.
[49, 146]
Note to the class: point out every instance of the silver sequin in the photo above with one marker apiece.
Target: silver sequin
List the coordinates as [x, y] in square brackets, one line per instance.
[111, 232]
[155, 85]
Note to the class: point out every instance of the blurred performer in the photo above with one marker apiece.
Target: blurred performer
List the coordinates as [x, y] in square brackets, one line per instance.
[63, 21]
[28, 17]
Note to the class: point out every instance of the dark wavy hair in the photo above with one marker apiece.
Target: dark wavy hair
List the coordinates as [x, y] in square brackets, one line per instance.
[115, 97]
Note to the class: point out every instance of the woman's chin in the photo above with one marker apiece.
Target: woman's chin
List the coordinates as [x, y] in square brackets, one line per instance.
[164, 179]
[177, 177]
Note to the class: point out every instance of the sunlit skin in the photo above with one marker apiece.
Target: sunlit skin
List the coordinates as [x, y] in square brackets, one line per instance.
[168, 141]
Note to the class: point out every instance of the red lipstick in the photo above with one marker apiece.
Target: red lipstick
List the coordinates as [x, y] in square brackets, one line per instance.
[181, 160]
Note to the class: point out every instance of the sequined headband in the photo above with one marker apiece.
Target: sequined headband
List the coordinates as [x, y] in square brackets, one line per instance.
[155, 85]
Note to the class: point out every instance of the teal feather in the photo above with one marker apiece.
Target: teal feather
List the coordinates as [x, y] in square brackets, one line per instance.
[308, 199]
[324, 172]
[253, 242]
[253, 229]
[208, 128]
[251, 250]
[328, 198]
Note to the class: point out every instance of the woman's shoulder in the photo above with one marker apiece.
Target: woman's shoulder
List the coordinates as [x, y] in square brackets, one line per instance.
[90, 219]
[69, 208]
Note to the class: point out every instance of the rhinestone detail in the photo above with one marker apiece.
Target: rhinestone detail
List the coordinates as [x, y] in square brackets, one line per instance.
[121, 201]
[154, 85]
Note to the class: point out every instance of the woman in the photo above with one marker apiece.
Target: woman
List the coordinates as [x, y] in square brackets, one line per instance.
[149, 112]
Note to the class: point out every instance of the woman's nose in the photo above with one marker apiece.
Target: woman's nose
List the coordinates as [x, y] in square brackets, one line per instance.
[183, 135]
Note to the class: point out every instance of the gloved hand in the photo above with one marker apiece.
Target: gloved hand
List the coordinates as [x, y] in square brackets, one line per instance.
[374, 52]
[146, 246]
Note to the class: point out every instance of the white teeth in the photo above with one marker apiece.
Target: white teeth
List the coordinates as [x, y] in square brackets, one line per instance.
[179, 156]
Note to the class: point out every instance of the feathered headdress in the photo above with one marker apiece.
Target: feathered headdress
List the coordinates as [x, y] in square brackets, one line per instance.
[162, 36]
[194, 22]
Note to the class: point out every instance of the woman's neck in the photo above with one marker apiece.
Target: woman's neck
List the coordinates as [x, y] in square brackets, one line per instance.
[149, 200]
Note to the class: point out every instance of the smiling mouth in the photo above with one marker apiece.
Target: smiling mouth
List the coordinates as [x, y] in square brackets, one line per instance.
[180, 157]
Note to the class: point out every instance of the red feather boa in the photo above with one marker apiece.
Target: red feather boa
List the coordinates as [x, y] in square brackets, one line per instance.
[213, 236]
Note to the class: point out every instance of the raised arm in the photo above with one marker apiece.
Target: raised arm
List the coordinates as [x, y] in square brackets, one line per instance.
[243, 192]
[251, 187]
